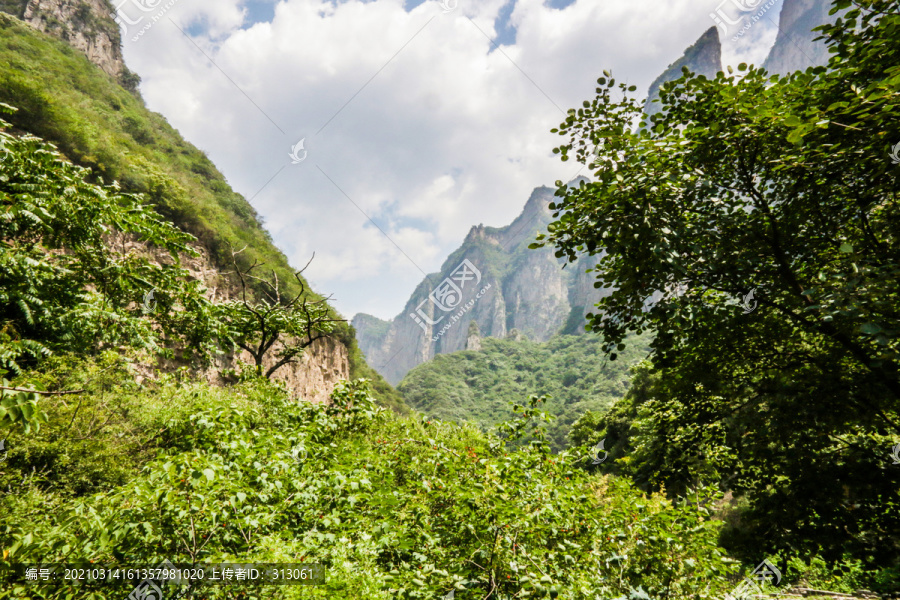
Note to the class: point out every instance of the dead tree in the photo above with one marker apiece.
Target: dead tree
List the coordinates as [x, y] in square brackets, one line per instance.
[257, 321]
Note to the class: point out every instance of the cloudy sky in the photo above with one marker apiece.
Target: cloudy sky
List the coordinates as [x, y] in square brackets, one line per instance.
[419, 118]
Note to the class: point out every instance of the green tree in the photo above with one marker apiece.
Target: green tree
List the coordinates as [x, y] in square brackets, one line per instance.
[782, 187]
[66, 280]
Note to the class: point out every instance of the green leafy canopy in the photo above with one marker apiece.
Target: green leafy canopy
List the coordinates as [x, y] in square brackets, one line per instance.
[783, 187]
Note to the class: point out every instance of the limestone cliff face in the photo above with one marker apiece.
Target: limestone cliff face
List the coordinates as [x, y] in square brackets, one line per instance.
[87, 25]
[493, 280]
[795, 48]
[312, 378]
[703, 58]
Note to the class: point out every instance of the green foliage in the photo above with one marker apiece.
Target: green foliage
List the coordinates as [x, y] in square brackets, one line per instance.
[617, 426]
[64, 283]
[65, 99]
[394, 507]
[846, 576]
[479, 386]
[386, 394]
[15, 8]
[783, 187]
[19, 408]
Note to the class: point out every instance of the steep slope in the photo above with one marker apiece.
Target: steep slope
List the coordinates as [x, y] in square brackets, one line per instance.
[494, 280]
[64, 98]
[478, 385]
[702, 58]
[795, 48]
[85, 25]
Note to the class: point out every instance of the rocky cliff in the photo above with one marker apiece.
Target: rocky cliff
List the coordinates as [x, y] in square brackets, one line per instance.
[312, 377]
[795, 48]
[87, 25]
[703, 58]
[493, 280]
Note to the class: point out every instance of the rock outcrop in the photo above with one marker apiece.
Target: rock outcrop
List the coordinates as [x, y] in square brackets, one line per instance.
[87, 25]
[492, 280]
[312, 378]
[703, 58]
[795, 48]
[473, 341]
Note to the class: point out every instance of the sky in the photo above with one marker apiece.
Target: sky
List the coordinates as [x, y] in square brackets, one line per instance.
[374, 134]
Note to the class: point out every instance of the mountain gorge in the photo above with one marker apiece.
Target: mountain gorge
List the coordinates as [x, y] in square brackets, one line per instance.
[511, 288]
[698, 449]
[532, 291]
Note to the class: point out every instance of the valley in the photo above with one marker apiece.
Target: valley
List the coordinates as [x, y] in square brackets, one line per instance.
[672, 376]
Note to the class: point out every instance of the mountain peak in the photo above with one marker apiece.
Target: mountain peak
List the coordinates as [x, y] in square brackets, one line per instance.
[795, 48]
[704, 57]
[489, 286]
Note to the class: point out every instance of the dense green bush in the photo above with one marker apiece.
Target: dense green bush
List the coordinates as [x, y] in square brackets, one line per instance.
[64, 281]
[394, 507]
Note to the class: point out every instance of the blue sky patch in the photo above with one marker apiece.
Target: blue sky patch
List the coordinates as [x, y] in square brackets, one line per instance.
[258, 11]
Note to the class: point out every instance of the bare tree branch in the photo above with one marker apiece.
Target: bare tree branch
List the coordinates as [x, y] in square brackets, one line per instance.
[297, 322]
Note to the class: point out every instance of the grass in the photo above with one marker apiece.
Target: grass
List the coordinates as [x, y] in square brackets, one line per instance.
[65, 99]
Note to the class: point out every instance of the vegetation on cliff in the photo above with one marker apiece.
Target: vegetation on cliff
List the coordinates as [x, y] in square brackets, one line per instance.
[97, 124]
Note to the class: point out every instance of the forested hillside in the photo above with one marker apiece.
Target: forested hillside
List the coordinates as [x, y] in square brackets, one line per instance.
[480, 385]
[95, 122]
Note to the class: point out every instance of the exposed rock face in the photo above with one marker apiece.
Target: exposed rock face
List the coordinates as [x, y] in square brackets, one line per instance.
[703, 58]
[495, 281]
[314, 375]
[85, 24]
[794, 48]
[473, 341]
[311, 378]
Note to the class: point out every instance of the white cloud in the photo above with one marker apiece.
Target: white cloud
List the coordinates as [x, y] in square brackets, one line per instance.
[447, 135]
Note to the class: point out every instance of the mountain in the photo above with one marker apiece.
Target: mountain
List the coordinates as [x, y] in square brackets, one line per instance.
[86, 26]
[525, 290]
[528, 290]
[69, 91]
[478, 385]
[494, 280]
[704, 57]
[795, 48]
